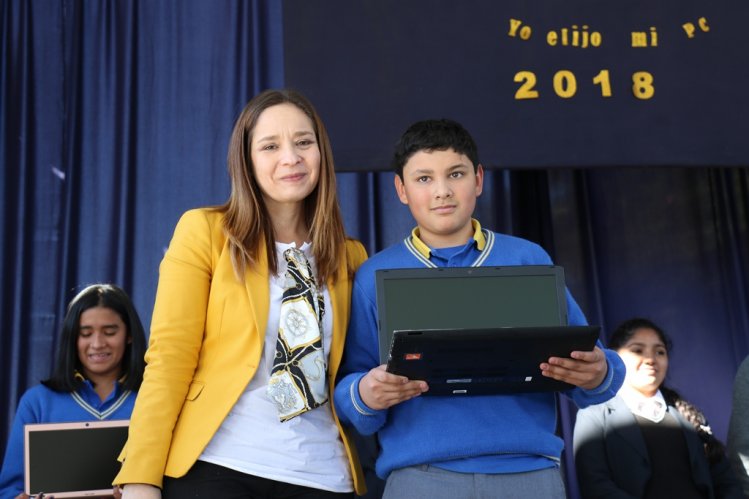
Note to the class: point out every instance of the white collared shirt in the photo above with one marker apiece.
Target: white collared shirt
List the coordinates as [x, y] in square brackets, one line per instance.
[651, 408]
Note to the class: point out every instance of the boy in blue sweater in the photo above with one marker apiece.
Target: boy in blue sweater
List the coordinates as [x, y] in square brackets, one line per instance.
[445, 447]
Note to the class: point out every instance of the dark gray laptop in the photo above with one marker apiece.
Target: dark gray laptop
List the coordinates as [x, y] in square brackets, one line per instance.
[494, 306]
[486, 361]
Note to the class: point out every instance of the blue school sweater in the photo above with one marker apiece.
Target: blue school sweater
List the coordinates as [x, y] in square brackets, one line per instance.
[42, 405]
[477, 434]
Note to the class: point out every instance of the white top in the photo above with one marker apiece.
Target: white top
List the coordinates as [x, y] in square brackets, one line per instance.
[652, 408]
[305, 450]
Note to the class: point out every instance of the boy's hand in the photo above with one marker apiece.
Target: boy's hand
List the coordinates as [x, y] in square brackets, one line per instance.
[380, 389]
[584, 369]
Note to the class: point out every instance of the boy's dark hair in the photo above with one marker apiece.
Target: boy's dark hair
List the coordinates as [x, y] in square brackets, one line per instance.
[714, 448]
[63, 377]
[434, 135]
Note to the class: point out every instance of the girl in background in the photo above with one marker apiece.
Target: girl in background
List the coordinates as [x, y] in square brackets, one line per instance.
[98, 372]
[648, 442]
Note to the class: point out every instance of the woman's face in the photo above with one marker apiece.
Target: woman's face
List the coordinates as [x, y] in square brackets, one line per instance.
[102, 340]
[646, 359]
[285, 155]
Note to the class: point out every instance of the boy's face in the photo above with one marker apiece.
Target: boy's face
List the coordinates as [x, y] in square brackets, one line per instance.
[440, 188]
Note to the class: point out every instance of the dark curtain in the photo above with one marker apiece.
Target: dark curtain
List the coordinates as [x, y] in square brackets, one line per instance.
[115, 118]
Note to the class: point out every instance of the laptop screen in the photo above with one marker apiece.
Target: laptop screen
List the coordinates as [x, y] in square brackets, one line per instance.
[73, 459]
[468, 297]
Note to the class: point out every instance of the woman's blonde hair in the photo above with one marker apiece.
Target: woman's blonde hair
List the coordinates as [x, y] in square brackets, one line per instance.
[246, 219]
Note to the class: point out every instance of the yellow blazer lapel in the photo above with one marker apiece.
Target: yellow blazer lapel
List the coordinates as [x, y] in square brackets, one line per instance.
[340, 295]
[258, 289]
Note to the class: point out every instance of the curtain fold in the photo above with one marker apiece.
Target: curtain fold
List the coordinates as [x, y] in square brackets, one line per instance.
[31, 145]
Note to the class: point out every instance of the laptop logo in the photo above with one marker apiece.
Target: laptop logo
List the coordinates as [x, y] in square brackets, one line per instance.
[412, 356]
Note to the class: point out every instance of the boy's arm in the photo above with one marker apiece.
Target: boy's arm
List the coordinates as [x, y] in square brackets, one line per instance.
[360, 355]
[360, 373]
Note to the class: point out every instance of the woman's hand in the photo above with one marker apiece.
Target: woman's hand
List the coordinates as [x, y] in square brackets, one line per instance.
[140, 491]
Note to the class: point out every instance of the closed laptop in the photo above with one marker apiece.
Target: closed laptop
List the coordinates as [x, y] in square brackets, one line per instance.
[486, 361]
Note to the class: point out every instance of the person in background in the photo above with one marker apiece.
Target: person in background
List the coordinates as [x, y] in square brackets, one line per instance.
[738, 428]
[97, 373]
[451, 447]
[648, 441]
[249, 326]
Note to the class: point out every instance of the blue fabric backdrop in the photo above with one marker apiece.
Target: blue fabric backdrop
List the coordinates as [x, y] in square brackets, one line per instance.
[115, 118]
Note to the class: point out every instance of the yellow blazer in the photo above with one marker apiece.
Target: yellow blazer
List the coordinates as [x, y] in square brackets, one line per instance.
[206, 340]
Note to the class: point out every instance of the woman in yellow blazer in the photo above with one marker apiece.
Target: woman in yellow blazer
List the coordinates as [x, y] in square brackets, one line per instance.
[202, 420]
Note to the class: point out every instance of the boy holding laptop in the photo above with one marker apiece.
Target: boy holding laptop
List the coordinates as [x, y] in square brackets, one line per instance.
[444, 446]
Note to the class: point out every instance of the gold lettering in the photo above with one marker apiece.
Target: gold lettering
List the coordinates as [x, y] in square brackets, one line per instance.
[639, 39]
[642, 85]
[688, 29]
[574, 36]
[585, 36]
[514, 25]
[527, 88]
[602, 78]
[524, 31]
[565, 84]
[653, 37]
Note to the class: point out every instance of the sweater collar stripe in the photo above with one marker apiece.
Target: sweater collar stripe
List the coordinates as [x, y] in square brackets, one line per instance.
[96, 413]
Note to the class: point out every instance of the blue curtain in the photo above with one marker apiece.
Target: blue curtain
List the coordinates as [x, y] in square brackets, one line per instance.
[115, 118]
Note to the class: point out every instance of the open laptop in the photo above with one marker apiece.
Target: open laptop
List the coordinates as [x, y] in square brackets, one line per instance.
[73, 459]
[485, 303]
[468, 298]
[486, 361]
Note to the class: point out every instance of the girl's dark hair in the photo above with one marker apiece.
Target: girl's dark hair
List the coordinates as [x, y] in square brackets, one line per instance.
[624, 332]
[714, 448]
[109, 296]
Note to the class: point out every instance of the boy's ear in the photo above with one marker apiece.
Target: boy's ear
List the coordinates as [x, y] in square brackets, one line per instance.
[400, 189]
[479, 180]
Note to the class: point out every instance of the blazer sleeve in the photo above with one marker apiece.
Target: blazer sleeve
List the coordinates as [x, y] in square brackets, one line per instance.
[594, 476]
[174, 345]
[725, 483]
